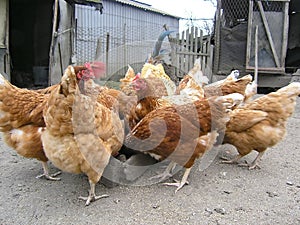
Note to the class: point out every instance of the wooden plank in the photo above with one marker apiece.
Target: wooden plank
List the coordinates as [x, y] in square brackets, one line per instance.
[249, 35]
[98, 48]
[186, 51]
[125, 62]
[177, 46]
[51, 52]
[217, 39]
[275, 0]
[285, 33]
[182, 48]
[195, 43]
[107, 53]
[187, 43]
[269, 35]
[191, 48]
[203, 57]
[198, 45]
[208, 69]
[193, 53]
[203, 62]
[266, 69]
[256, 57]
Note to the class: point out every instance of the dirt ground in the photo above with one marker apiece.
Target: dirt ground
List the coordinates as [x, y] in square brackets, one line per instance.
[220, 194]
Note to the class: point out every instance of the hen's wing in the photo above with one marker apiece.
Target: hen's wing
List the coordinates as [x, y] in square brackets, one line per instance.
[22, 120]
[228, 86]
[160, 132]
[19, 106]
[46, 90]
[165, 134]
[243, 119]
[280, 103]
[190, 88]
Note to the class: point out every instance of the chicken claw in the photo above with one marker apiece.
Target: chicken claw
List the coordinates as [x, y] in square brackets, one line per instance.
[166, 174]
[231, 161]
[92, 196]
[250, 166]
[183, 181]
[254, 164]
[47, 175]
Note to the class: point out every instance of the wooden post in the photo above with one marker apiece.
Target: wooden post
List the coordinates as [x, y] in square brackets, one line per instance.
[249, 35]
[285, 33]
[256, 56]
[268, 32]
[60, 59]
[54, 28]
[124, 45]
[187, 45]
[177, 48]
[106, 52]
[217, 40]
[98, 49]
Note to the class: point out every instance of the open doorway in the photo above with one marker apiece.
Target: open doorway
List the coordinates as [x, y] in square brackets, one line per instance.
[30, 26]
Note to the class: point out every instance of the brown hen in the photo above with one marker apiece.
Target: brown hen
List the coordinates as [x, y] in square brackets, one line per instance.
[181, 134]
[21, 121]
[81, 134]
[261, 123]
[228, 86]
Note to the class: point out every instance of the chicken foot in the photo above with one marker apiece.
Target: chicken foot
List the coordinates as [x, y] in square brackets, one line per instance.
[231, 161]
[92, 196]
[180, 184]
[46, 173]
[254, 164]
[166, 174]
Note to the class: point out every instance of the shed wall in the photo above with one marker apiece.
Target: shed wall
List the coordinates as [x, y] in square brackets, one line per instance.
[132, 33]
[3, 22]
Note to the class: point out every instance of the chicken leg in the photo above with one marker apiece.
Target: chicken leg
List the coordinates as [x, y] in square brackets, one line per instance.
[183, 181]
[232, 161]
[166, 174]
[254, 164]
[92, 196]
[46, 173]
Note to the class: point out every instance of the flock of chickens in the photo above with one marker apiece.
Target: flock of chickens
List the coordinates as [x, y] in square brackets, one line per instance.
[78, 125]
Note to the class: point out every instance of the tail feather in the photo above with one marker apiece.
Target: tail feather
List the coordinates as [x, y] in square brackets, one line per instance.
[293, 89]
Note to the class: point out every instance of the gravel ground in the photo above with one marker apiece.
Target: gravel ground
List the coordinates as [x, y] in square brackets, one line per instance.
[221, 194]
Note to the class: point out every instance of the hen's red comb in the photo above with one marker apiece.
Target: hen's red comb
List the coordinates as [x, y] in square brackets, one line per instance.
[137, 76]
[93, 70]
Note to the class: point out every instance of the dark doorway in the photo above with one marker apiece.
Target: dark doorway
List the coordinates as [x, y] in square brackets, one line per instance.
[30, 26]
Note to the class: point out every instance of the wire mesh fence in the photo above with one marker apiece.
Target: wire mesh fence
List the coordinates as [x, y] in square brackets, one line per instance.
[118, 37]
[238, 19]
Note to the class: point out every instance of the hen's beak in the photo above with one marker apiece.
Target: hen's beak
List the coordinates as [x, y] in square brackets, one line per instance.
[133, 83]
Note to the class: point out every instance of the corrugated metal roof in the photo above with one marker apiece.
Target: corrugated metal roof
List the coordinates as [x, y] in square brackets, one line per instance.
[95, 3]
[86, 1]
[145, 7]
